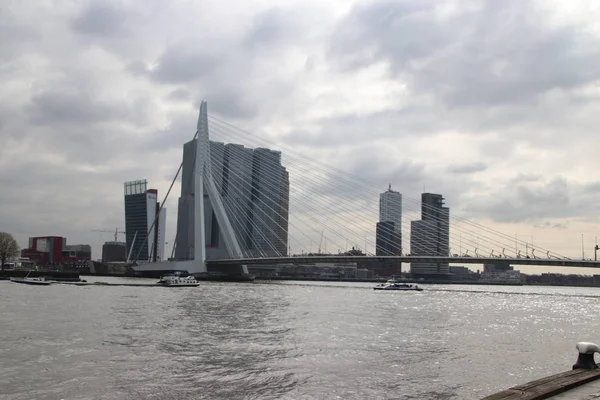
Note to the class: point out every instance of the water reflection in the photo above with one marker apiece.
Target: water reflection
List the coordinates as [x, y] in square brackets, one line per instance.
[243, 341]
[219, 342]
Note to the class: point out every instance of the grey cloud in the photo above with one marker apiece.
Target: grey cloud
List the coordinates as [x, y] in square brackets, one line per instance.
[524, 178]
[15, 33]
[81, 128]
[352, 128]
[532, 200]
[180, 94]
[592, 188]
[552, 225]
[230, 103]
[102, 18]
[372, 31]
[407, 173]
[502, 53]
[67, 107]
[467, 168]
[499, 73]
[371, 174]
[496, 148]
[274, 27]
[4, 118]
[185, 63]
[62, 200]
[15, 38]
[54, 186]
[137, 68]
[181, 129]
[554, 193]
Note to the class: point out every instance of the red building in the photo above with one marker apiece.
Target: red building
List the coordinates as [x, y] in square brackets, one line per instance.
[45, 250]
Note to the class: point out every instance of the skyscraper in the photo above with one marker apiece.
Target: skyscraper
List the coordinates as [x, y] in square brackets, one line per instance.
[141, 209]
[254, 187]
[184, 243]
[269, 204]
[388, 238]
[430, 236]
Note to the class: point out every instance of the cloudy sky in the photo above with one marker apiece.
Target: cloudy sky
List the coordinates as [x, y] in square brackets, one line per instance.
[492, 103]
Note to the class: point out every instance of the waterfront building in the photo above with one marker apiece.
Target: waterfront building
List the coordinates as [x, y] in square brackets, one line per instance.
[497, 266]
[114, 251]
[160, 232]
[79, 251]
[430, 236]
[390, 207]
[388, 231]
[388, 237]
[269, 205]
[45, 250]
[508, 277]
[76, 253]
[48, 250]
[254, 188]
[144, 236]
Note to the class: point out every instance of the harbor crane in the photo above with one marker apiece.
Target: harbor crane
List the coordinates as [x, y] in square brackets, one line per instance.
[117, 231]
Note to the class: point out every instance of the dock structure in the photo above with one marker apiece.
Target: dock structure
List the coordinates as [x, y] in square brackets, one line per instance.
[582, 382]
[552, 386]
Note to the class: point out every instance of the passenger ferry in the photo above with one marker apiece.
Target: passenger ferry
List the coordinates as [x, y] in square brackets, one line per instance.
[177, 280]
[395, 285]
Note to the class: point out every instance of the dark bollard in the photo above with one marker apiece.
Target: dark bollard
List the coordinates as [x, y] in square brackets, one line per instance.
[585, 360]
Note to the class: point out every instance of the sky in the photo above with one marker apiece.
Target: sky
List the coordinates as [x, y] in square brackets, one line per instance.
[492, 103]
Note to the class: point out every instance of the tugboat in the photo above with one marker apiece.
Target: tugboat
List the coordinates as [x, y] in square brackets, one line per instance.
[582, 382]
[177, 280]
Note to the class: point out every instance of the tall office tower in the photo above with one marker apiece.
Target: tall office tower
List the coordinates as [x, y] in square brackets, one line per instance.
[141, 209]
[233, 176]
[269, 204]
[160, 233]
[430, 236]
[388, 237]
[184, 241]
[254, 187]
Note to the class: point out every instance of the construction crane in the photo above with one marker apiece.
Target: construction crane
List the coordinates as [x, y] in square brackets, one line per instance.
[117, 231]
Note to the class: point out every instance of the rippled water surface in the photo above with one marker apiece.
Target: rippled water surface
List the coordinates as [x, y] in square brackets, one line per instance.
[286, 340]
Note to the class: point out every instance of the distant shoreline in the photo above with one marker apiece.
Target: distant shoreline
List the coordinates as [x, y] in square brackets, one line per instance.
[473, 283]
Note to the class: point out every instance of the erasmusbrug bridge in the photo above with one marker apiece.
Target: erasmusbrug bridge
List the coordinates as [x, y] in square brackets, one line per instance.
[244, 204]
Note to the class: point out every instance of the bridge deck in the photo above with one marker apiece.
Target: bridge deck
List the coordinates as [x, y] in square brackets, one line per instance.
[409, 259]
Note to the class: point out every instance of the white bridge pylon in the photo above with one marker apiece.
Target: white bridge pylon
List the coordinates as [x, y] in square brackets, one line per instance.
[204, 182]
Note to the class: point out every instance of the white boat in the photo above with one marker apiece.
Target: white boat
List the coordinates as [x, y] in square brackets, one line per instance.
[397, 286]
[31, 281]
[178, 280]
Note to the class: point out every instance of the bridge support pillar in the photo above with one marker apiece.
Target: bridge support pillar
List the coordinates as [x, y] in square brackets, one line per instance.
[204, 183]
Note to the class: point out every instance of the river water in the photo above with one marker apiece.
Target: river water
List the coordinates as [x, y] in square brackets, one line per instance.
[286, 340]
